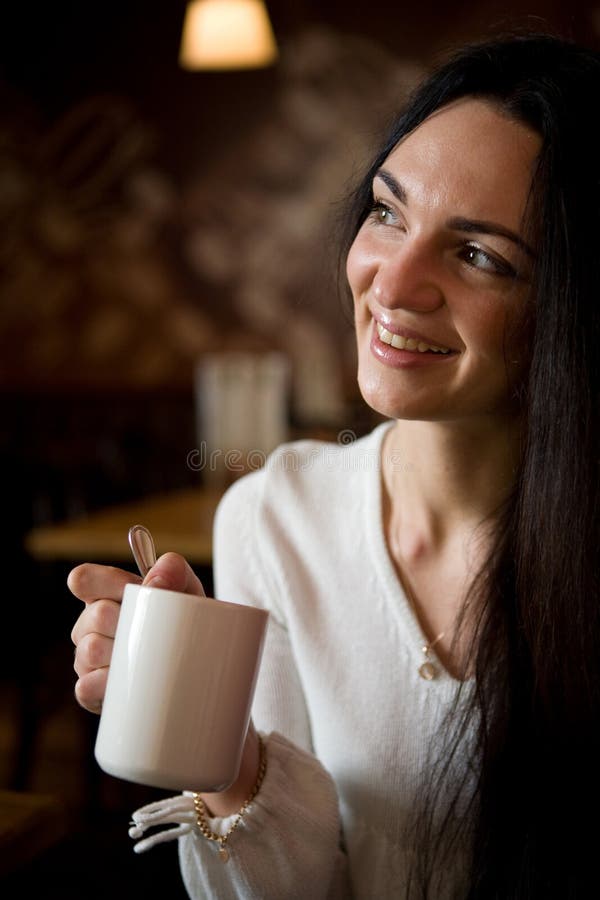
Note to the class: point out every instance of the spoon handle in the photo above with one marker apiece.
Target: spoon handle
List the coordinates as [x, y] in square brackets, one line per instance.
[142, 547]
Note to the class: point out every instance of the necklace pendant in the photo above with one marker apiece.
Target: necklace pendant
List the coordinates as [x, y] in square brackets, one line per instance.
[223, 854]
[428, 671]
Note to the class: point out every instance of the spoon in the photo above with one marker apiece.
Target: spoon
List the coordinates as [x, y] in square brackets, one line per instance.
[144, 553]
[142, 547]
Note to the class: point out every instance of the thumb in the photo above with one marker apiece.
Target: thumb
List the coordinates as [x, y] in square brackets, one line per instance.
[173, 573]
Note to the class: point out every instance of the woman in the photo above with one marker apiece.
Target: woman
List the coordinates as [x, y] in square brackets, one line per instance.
[430, 692]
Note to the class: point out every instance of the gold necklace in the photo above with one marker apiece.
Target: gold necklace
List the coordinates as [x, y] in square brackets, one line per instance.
[428, 670]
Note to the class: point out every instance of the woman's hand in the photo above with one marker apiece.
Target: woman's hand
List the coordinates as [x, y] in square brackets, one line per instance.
[101, 589]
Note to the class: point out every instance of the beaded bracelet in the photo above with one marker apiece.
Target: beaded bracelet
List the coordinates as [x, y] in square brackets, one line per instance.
[201, 815]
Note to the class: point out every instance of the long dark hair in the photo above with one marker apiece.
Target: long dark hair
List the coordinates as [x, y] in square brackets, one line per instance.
[536, 703]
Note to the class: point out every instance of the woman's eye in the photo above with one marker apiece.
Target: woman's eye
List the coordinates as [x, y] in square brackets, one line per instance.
[485, 262]
[381, 214]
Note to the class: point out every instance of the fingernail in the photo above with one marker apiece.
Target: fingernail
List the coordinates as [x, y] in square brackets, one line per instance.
[156, 581]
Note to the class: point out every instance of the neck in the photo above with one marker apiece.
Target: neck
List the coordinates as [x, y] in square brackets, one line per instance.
[444, 479]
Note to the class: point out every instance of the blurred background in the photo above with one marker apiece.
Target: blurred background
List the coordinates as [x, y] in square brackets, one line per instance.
[170, 310]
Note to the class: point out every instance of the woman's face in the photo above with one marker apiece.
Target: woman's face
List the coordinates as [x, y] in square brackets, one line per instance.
[440, 263]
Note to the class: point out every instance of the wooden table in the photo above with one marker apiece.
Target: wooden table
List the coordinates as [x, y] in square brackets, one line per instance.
[180, 520]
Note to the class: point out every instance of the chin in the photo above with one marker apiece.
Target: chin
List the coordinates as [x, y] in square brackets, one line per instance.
[385, 401]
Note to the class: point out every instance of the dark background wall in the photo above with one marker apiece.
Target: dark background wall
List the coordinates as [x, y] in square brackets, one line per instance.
[55, 55]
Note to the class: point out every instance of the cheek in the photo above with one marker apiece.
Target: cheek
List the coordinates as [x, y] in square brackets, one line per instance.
[486, 331]
[359, 268]
[496, 335]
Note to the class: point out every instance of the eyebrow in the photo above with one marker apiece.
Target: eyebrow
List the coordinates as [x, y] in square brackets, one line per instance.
[458, 223]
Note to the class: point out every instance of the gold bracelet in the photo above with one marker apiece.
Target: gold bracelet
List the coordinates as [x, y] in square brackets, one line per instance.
[200, 808]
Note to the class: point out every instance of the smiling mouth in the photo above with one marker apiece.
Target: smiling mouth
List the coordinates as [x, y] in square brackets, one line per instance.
[410, 344]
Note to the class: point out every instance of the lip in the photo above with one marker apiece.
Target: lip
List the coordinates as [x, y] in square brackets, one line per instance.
[409, 333]
[406, 359]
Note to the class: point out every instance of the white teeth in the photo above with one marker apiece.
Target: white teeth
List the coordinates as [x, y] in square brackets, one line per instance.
[402, 343]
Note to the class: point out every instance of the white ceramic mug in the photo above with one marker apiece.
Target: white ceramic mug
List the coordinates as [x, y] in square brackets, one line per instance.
[180, 689]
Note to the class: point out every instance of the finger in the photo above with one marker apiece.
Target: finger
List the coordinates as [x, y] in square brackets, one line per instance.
[173, 573]
[100, 617]
[90, 581]
[93, 652]
[90, 690]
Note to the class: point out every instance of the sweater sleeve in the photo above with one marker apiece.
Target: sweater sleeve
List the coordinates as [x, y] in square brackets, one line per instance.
[288, 845]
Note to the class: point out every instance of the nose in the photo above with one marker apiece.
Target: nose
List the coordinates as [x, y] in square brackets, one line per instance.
[409, 278]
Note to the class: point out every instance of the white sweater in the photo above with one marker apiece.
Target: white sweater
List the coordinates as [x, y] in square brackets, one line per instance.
[348, 719]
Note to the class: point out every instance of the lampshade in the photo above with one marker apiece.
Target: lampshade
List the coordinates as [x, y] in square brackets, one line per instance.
[227, 34]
